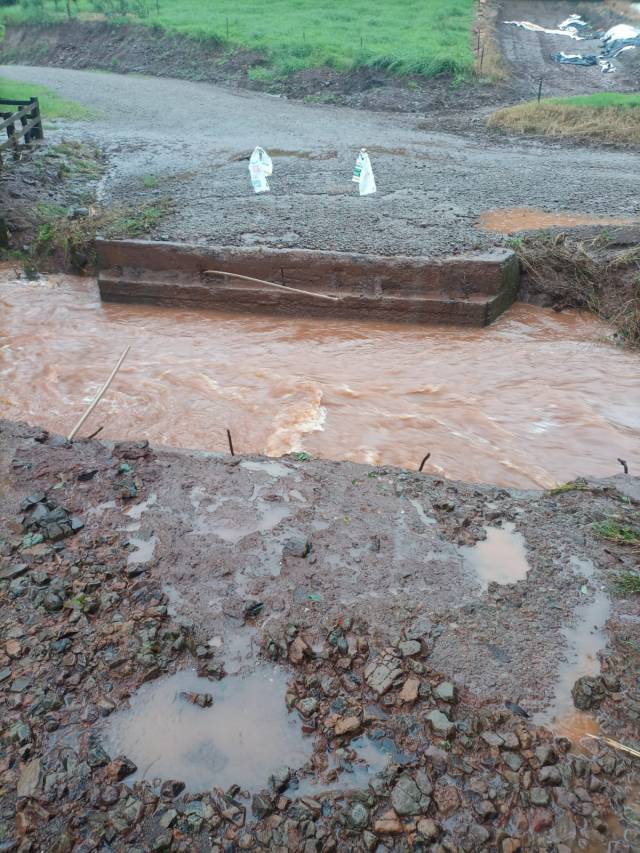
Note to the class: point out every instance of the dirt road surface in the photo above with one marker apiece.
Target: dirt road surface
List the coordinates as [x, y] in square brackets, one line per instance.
[189, 141]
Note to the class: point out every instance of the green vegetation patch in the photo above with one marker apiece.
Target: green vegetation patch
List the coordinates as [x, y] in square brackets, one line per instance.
[426, 37]
[51, 106]
[628, 583]
[604, 117]
[621, 534]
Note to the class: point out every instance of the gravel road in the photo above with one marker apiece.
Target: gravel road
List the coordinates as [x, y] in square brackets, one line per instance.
[189, 141]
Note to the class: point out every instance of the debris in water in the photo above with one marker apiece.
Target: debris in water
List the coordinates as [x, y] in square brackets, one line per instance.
[500, 558]
[240, 739]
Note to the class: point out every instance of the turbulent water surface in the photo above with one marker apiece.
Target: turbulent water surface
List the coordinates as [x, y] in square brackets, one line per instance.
[535, 399]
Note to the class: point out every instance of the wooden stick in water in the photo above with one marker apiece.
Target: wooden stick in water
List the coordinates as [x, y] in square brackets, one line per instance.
[272, 284]
[100, 394]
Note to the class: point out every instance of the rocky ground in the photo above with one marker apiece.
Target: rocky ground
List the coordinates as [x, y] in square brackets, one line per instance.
[121, 562]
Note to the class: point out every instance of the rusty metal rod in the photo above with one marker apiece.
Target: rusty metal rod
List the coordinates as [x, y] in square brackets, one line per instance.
[272, 284]
[230, 442]
[424, 461]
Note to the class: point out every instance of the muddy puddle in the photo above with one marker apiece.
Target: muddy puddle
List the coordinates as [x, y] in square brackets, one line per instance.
[348, 769]
[512, 219]
[536, 399]
[243, 737]
[584, 640]
[500, 558]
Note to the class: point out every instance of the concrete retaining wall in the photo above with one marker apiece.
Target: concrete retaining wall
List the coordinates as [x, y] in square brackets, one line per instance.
[468, 289]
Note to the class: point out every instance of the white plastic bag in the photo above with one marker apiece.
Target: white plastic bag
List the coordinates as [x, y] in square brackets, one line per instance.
[260, 167]
[363, 174]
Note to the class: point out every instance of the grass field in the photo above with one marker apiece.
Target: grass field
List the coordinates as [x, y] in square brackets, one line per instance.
[604, 116]
[426, 37]
[51, 106]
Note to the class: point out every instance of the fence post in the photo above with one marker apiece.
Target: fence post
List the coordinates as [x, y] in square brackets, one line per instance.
[11, 134]
[24, 121]
[37, 132]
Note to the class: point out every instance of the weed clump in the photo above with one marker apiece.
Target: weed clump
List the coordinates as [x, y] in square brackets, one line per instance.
[621, 534]
[628, 583]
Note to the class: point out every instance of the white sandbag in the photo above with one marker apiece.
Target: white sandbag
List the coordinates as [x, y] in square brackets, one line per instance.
[260, 167]
[363, 174]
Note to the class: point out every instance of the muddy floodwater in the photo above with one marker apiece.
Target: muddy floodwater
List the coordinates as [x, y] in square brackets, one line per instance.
[244, 736]
[534, 400]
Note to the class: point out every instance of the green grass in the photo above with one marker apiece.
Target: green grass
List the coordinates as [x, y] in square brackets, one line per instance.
[619, 533]
[426, 37]
[628, 583]
[604, 116]
[51, 106]
[600, 100]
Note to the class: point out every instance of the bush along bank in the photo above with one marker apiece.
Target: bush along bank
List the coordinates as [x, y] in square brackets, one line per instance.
[50, 215]
[599, 273]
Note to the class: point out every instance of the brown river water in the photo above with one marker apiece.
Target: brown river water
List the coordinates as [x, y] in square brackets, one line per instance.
[536, 399]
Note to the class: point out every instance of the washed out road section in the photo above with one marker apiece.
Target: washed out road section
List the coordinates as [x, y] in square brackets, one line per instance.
[533, 400]
[191, 142]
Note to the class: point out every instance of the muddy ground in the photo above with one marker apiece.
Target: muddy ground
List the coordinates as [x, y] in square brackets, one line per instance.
[122, 563]
[432, 186]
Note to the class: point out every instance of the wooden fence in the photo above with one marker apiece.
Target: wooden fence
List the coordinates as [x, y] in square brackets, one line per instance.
[22, 121]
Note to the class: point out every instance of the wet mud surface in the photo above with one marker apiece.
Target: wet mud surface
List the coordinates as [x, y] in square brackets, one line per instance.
[478, 400]
[432, 185]
[388, 657]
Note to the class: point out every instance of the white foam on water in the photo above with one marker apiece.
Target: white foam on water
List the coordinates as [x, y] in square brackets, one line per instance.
[297, 419]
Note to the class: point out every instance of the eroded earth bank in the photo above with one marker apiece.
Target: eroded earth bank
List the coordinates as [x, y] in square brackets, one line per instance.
[366, 657]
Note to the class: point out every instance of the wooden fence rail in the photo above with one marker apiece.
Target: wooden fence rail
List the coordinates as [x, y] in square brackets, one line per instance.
[23, 121]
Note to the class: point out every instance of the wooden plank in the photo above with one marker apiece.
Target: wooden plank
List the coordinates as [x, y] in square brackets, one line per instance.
[11, 143]
[25, 111]
[10, 102]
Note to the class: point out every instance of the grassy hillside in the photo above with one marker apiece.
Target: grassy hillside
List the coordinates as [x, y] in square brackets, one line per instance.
[604, 116]
[425, 37]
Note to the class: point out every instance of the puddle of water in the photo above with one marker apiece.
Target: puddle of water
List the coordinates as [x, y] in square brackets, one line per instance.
[364, 391]
[582, 566]
[424, 518]
[100, 508]
[238, 649]
[501, 557]
[510, 219]
[145, 549]
[174, 597]
[372, 756]
[137, 510]
[584, 642]
[269, 466]
[228, 526]
[241, 739]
